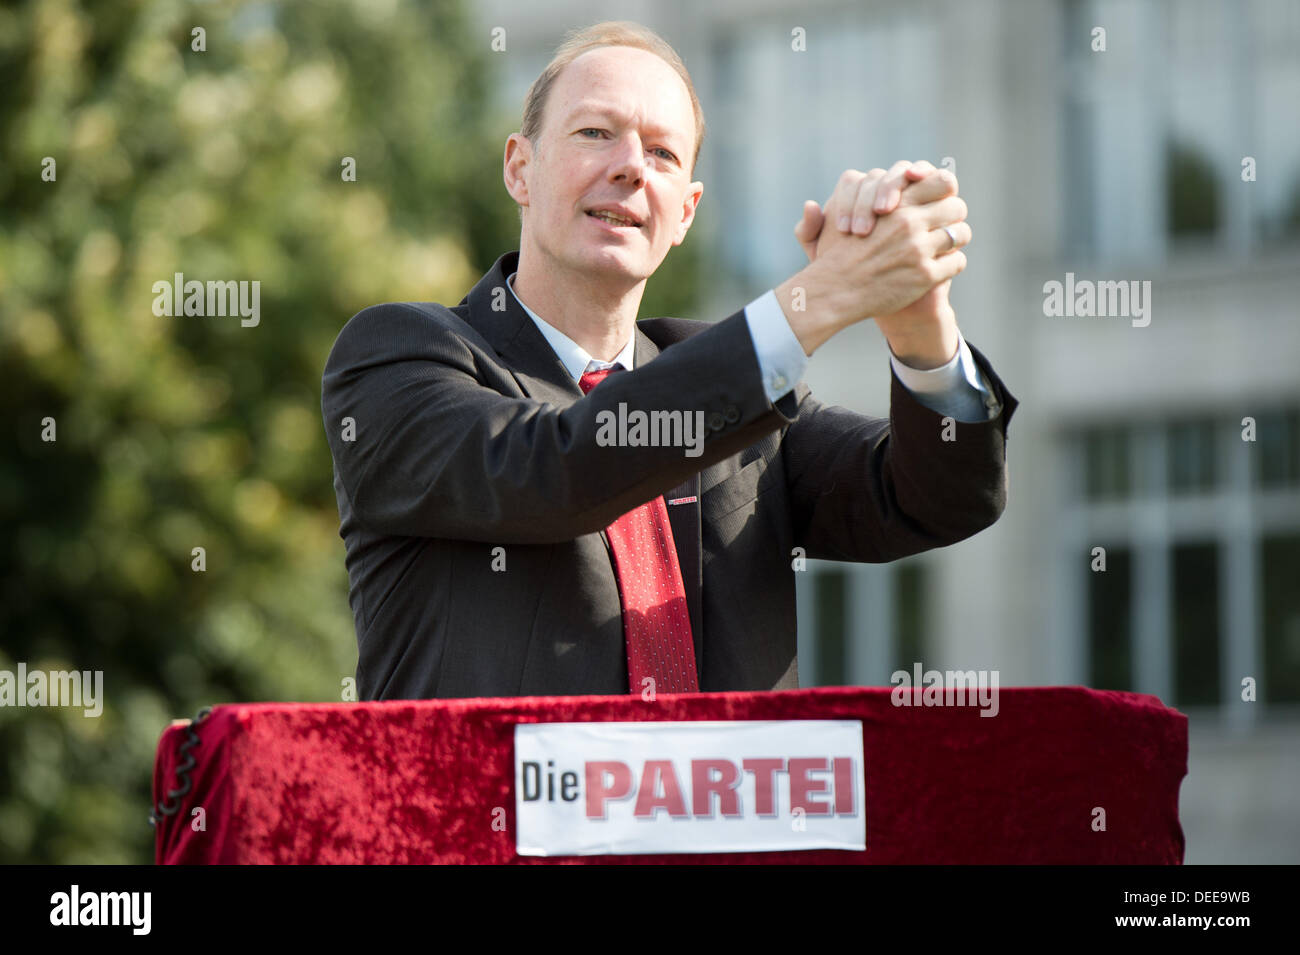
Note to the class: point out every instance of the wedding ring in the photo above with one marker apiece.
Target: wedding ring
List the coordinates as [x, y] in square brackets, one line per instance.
[951, 238]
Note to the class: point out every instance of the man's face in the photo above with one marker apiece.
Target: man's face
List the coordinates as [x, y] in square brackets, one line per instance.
[618, 132]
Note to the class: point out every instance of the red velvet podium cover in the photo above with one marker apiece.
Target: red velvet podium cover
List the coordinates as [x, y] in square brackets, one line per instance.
[419, 781]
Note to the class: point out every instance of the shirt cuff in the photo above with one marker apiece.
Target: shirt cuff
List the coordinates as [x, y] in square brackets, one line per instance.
[780, 356]
[957, 389]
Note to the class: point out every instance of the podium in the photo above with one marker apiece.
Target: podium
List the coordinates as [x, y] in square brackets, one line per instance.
[1060, 775]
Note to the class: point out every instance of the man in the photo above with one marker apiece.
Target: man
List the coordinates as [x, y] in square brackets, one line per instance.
[500, 544]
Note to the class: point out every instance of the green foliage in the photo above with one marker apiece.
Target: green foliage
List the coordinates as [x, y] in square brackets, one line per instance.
[181, 432]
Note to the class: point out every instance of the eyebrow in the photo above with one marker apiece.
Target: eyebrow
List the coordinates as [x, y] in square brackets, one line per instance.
[597, 110]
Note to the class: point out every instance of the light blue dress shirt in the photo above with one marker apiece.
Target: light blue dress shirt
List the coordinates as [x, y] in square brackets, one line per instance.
[957, 388]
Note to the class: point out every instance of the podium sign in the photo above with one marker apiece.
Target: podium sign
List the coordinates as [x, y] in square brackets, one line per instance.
[689, 787]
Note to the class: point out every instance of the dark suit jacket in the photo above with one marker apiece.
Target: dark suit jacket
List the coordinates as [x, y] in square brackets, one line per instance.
[470, 435]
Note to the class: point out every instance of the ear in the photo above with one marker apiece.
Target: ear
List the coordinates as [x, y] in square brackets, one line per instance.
[519, 153]
[689, 204]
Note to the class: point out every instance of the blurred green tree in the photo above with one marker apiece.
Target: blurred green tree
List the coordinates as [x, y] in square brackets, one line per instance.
[180, 432]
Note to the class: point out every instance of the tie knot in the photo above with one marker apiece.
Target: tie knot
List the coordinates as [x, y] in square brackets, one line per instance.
[590, 379]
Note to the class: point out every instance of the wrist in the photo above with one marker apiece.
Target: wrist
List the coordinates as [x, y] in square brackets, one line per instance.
[815, 313]
[923, 345]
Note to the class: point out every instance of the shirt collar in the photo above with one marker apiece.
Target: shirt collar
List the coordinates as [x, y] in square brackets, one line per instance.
[575, 358]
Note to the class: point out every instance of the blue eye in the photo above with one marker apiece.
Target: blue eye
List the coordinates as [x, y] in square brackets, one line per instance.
[667, 154]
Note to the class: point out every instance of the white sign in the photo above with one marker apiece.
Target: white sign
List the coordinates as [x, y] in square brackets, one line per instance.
[696, 786]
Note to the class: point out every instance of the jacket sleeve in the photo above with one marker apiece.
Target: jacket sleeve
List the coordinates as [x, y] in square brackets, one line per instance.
[877, 489]
[444, 443]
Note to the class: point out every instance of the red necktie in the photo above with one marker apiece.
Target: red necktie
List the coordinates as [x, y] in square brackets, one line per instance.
[656, 623]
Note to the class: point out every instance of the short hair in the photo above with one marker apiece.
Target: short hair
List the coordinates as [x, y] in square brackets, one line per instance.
[607, 33]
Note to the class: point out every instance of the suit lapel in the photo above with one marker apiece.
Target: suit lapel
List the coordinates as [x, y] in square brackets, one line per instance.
[497, 315]
[684, 518]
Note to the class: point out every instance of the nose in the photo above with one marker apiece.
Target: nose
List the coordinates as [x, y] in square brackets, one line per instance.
[628, 162]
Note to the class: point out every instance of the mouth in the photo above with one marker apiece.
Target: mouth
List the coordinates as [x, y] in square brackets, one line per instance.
[613, 219]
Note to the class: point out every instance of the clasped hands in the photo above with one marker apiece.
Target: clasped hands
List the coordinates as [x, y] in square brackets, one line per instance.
[881, 244]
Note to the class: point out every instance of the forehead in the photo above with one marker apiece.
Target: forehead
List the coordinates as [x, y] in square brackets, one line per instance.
[629, 84]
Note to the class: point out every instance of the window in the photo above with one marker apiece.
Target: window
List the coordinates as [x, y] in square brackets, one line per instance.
[1191, 455]
[1277, 435]
[1279, 679]
[831, 664]
[1106, 462]
[1172, 503]
[867, 620]
[1195, 619]
[1110, 615]
[1171, 137]
[909, 615]
[1191, 192]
